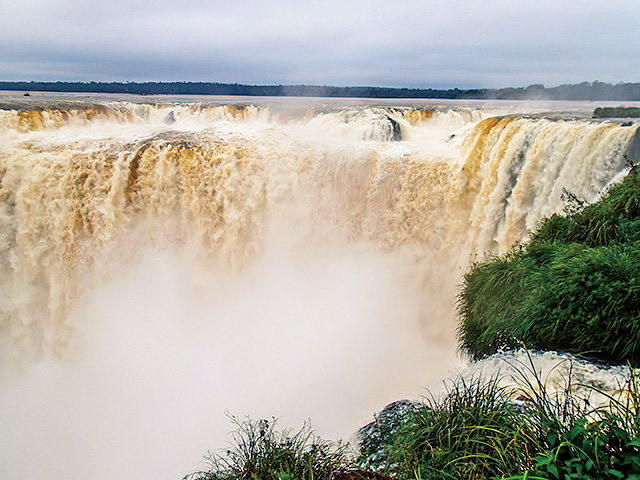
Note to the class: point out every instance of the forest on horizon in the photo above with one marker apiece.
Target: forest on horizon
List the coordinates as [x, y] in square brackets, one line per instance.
[585, 91]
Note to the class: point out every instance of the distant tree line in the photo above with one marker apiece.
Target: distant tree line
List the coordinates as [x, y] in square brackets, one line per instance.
[583, 91]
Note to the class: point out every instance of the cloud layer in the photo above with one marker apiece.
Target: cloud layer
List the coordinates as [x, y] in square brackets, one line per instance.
[441, 44]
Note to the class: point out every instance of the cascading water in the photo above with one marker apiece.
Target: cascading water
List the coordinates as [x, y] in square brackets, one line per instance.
[164, 262]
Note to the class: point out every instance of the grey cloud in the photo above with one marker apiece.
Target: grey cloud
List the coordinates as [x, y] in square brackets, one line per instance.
[406, 43]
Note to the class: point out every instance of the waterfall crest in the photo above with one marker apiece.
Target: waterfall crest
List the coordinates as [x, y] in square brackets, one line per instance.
[69, 196]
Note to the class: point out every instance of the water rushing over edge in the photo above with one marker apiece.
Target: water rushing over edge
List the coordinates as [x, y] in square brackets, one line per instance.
[163, 263]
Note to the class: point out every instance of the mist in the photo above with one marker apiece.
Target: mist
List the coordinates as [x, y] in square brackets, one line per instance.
[163, 349]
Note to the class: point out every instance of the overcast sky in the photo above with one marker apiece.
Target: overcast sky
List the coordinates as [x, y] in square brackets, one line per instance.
[401, 43]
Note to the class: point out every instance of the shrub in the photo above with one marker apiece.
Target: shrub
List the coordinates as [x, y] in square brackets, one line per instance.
[474, 432]
[582, 443]
[575, 286]
[260, 452]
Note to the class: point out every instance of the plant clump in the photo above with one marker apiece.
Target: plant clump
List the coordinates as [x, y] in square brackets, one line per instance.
[583, 442]
[478, 429]
[575, 286]
[259, 451]
[475, 432]
[482, 430]
[617, 112]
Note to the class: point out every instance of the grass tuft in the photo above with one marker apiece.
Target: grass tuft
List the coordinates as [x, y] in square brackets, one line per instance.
[474, 432]
[259, 451]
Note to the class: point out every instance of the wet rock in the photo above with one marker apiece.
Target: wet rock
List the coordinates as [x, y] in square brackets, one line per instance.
[359, 474]
[633, 151]
[170, 119]
[375, 436]
[396, 136]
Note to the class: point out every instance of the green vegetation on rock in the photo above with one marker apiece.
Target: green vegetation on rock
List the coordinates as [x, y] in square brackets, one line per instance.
[575, 286]
[481, 430]
[617, 112]
[475, 432]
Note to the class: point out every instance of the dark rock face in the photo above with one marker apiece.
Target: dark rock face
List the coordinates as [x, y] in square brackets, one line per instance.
[633, 152]
[375, 436]
[396, 136]
[170, 119]
[361, 475]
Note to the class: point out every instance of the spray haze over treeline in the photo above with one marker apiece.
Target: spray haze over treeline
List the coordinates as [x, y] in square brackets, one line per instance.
[584, 91]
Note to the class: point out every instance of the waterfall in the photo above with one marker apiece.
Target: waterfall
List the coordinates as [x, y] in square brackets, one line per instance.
[279, 225]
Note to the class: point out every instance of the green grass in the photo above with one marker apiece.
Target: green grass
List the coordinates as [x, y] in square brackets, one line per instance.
[259, 451]
[474, 432]
[617, 112]
[581, 442]
[477, 431]
[575, 286]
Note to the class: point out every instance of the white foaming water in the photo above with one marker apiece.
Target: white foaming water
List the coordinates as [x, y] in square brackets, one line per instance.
[164, 263]
[559, 374]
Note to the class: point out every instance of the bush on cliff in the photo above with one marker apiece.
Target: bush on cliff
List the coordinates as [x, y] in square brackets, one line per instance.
[575, 286]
